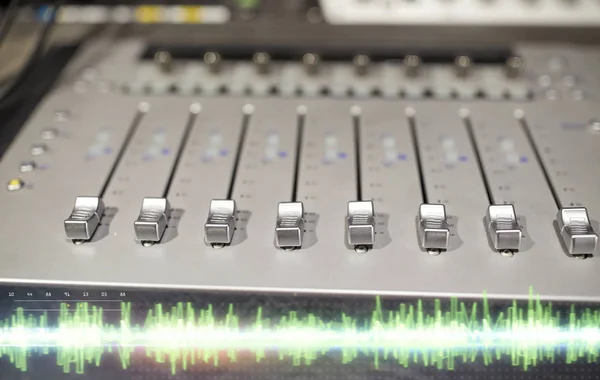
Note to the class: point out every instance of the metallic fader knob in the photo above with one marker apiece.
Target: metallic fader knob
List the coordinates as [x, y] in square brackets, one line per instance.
[360, 227]
[220, 224]
[289, 227]
[576, 231]
[433, 231]
[84, 219]
[503, 229]
[152, 221]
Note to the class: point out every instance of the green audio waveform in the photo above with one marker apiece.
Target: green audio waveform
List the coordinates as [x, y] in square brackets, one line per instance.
[441, 336]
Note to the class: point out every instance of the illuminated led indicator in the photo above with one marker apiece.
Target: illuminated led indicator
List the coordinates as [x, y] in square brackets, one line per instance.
[156, 147]
[214, 147]
[272, 147]
[389, 149]
[15, 184]
[100, 146]
[511, 155]
[449, 151]
[331, 149]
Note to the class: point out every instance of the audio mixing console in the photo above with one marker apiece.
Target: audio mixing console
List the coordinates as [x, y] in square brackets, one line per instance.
[363, 176]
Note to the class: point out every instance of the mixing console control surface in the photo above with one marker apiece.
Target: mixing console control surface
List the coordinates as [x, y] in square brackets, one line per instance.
[305, 195]
[367, 177]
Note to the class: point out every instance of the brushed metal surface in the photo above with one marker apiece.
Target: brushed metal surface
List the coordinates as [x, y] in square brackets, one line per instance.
[35, 250]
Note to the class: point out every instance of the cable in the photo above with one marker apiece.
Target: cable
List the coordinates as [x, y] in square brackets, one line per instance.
[9, 94]
[8, 20]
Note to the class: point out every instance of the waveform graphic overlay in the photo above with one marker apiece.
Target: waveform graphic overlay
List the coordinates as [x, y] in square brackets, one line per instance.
[441, 336]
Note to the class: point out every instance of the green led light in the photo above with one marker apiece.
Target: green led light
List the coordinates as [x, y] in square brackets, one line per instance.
[441, 336]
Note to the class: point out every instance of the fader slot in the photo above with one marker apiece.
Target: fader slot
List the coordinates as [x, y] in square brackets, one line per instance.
[433, 232]
[508, 162]
[451, 175]
[265, 173]
[566, 173]
[390, 175]
[360, 219]
[154, 216]
[144, 172]
[289, 226]
[503, 228]
[221, 222]
[327, 175]
[205, 171]
[81, 144]
[88, 211]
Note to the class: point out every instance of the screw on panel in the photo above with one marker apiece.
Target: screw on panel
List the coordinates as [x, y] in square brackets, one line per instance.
[507, 253]
[434, 252]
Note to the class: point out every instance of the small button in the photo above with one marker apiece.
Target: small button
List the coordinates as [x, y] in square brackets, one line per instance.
[15, 184]
[552, 94]
[569, 80]
[578, 94]
[27, 166]
[49, 133]
[38, 149]
[545, 80]
[62, 115]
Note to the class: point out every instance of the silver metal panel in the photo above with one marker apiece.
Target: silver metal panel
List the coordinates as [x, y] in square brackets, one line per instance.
[570, 150]
[34, 249]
